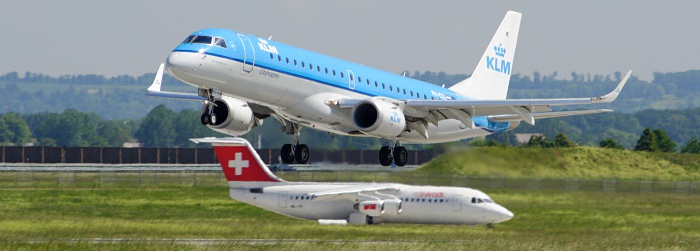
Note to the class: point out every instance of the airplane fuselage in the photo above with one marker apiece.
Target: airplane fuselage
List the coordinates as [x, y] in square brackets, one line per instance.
[298, 85]
[420, 204]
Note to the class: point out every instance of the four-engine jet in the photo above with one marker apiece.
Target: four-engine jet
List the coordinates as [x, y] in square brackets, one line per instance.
[252, 182]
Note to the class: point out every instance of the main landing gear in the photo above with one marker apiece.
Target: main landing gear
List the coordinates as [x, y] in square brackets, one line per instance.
[396, 153]
[208, 116]
[294, 151]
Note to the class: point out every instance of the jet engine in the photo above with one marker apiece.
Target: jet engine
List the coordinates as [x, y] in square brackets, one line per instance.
[378, 118]
[392, 207]
[231, 116]
[372, 208]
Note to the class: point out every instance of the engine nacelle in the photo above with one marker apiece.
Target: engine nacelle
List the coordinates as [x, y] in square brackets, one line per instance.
[392, 207]
[378, 118]
[372, 208]
[232, 116]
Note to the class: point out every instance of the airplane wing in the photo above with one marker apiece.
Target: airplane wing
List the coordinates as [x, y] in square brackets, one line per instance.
[355, 193]
[154, 89]
[423, 112]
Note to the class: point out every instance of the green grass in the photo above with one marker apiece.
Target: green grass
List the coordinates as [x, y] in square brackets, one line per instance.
[63, 219]
[566, 163]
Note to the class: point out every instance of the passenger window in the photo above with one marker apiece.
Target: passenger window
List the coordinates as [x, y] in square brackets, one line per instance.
[342, 75]
[352, 77]
[311, 66]
[411, 93]
[326, 70]
[272, 56]
[279, 58]
[425, 97]
[404, 91]
[220, 42]
[359, 79]
[375, 84]
[318, 68]
[367, 81]
[333, 72]
[303, 65]
[383, 87]
[287, 60]
[391, 88]
[295, 62]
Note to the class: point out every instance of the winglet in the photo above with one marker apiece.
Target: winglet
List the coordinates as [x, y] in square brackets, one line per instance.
[155, 87]
[241, 163]
[610, 97]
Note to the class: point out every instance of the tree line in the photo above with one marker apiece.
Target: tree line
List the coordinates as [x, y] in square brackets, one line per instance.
[163, 127]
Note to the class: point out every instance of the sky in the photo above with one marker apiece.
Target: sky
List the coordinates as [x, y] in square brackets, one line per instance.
[133, 36]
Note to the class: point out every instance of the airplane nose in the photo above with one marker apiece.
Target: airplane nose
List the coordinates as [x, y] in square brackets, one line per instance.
[500, 214]
[177, 64]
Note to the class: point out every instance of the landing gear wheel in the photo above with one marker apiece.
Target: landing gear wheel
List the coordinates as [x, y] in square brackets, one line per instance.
[205, 119]
[400, 156]
[287, 154]
[385, 157]
[302, 154]
[212, 119]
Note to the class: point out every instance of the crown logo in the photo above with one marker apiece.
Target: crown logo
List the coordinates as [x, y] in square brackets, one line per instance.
[500, 51]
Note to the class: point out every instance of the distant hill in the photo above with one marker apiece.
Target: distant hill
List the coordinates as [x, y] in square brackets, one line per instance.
[123, 96]
[669, 102]
[566, 163]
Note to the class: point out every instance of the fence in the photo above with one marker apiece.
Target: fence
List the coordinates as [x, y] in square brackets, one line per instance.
[39, 179]
[118, 155]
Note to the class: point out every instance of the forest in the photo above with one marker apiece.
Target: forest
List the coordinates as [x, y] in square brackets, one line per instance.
[92, 110]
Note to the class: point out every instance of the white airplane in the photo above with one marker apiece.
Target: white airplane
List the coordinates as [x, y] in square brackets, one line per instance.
[252, 182]
[243, 79]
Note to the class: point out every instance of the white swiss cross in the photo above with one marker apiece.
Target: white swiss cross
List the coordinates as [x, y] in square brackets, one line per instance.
[238, 163]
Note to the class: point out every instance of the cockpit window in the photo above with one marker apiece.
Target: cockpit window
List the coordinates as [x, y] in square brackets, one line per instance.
[198, 40]
[481, 200]
[220, 42]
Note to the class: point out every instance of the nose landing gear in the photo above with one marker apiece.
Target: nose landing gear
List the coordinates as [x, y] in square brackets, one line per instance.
[208, 116]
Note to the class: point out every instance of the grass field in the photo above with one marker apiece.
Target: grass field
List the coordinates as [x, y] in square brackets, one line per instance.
[161, 218]
[564, 163]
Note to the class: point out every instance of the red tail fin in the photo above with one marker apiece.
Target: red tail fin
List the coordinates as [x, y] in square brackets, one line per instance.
[239, 160]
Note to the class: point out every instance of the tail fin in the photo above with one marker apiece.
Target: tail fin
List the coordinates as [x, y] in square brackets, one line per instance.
[241, 163]
[491, 77]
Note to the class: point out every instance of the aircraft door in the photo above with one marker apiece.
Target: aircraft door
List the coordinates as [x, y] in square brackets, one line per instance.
[283, 200]
[351, 79]
[457, 204]
[248, 55]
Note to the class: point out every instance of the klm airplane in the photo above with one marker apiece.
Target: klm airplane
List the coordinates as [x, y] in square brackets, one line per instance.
[243, 79]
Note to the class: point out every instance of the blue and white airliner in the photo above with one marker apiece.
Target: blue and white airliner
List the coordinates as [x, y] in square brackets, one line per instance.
[243, 79]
